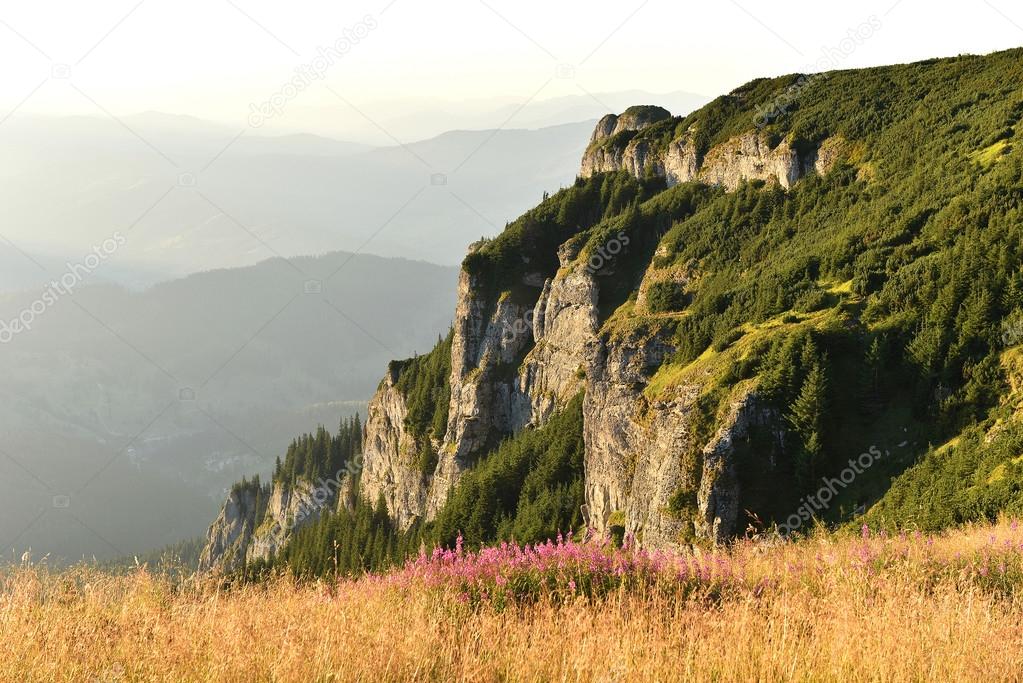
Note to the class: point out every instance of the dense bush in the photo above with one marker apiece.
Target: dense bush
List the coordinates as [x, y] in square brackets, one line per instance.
[666, 296]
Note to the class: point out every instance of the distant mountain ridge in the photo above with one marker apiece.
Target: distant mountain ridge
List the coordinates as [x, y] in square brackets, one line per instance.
[431, 118]
[229, 202]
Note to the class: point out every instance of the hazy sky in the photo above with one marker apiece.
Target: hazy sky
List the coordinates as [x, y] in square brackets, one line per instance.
[219, 58]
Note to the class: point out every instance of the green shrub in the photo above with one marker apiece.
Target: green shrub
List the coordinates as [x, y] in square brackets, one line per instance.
[667, 296]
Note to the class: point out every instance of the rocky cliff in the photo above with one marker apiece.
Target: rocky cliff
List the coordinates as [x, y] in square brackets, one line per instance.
[491, 332]
[228, 538]
[563, 324]
[746, 156]
[519, 354]
[250, 530]
[390, 462]
[517, 360]
[740, 300]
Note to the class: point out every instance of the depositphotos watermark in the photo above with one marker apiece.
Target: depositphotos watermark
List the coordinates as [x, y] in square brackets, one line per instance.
[830, 59]
[64, 286]
[315, 500]
[315, 70]
[607, 252]
[522, 325]
[809, 506]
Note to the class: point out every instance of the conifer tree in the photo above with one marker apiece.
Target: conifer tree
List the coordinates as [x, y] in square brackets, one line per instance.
[807, 417]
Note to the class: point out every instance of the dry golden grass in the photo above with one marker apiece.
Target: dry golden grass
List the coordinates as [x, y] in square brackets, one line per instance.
[822, 618]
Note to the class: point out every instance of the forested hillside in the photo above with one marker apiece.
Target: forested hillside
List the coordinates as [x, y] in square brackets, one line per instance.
[722, 313]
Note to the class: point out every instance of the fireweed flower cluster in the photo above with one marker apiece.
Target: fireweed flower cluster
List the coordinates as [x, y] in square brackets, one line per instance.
[561, 569]
[593, 567]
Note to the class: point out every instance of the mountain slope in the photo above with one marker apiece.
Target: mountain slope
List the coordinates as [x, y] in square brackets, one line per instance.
[773, 305]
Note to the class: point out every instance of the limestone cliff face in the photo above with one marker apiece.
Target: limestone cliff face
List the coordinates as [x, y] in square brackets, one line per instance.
[749, 157]
[621, 451]
[390, 457]
[288, 510]
[564, 322]
[635, 158]
[240, 535]
[632, 119]
[718, 496]
[228, 537]
[512, 365]
[744, 157]
[603, 157]
[644, 450]
[490, 337]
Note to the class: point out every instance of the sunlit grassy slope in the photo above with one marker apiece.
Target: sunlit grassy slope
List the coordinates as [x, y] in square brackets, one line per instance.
[854, 607]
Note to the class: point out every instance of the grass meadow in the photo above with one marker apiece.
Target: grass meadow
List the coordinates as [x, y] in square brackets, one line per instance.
[855, 607]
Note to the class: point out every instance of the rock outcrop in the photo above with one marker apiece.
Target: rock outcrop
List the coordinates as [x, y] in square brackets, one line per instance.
[745, 157]
[611, 148]
[490, 337]
[243, 533]
[648, 470]
[390, 457]
[718, 496]
[518, 359]
[289, 509]
[563, 324]
[228, 537]
[632, 119]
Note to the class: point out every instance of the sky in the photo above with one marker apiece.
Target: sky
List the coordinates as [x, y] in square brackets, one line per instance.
[227, 60]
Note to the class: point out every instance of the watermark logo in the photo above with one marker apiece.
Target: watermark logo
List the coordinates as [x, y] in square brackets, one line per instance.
[307, 74]
[606, 253]
[64, 286]
[831, 58]
[315, 500]
[821, 500]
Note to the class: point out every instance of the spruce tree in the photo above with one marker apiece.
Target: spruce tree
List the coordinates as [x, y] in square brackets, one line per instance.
[807, 417]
